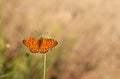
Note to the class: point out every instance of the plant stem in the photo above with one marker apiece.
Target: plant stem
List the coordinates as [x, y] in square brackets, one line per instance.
[44, 73]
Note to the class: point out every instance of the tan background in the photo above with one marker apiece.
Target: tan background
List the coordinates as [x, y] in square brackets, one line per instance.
[88, 32]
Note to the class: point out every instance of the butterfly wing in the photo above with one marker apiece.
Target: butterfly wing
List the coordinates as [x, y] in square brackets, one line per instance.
[47, 44]
[32, 44]
[43, 50]
[50, 43]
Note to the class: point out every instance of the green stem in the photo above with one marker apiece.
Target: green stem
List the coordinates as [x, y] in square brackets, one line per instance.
[44, 73]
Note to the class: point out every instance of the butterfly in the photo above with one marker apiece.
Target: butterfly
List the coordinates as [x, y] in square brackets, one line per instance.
[39, 45]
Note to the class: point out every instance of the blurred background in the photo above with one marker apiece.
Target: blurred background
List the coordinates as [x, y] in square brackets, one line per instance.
[88, 33]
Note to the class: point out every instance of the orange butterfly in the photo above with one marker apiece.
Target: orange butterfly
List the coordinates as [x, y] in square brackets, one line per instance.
[39, 45]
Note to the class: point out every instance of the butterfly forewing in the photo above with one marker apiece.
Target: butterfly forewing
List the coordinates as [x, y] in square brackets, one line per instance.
[32, 43]
[49, 43]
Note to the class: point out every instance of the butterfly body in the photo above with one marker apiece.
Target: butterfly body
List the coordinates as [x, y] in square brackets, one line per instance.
[39, 45]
